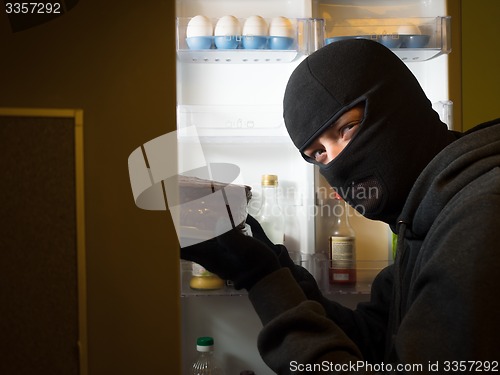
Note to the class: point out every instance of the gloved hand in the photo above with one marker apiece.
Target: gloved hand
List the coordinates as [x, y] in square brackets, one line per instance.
[300, 274]
[280, 250]
[233, 256]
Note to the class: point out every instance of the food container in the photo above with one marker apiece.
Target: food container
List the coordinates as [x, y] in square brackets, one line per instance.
[209, 208]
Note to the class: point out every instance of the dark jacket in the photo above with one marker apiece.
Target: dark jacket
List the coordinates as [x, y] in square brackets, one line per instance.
[437, 304]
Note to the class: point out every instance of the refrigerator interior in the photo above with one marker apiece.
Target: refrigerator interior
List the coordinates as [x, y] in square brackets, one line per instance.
[234, 99]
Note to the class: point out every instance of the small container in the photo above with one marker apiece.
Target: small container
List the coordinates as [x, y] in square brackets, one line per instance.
[199, 42]
[201, 279]
[310, 34]
[206, 363]
[415, 41]
[411, 37]
[390, 40]
[270, 216]
[342, 246]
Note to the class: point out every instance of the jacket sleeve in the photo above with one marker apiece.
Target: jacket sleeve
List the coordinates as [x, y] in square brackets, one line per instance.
[367, 324]
[299, 331]
[452, 312]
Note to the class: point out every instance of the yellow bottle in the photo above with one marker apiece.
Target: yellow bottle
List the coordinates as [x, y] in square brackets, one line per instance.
[201, 279]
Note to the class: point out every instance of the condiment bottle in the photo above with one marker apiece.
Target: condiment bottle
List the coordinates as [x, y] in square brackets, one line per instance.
[205, 363]
[342, 246]
[201, 279]
[270, 216]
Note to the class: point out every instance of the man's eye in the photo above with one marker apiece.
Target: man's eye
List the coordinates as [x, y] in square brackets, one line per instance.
[349, 129]
[317, 155]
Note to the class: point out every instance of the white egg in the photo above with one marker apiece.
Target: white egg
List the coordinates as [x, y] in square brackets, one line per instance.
[255, 25]
[408, 30]
[199, 26]
[281, 26]
[227, 25]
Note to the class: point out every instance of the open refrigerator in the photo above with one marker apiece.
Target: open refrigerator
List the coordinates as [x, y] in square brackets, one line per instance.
[233, 99]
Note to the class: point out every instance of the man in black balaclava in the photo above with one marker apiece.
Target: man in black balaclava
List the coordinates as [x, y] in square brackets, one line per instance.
[355, 109]
[399, 135]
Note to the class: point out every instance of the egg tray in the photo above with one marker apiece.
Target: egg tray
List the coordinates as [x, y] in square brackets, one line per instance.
[240, 42]
[248, 48]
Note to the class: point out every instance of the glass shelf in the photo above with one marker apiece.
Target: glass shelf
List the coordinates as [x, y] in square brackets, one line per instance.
[366, 271]
[247, 124]
[187, 291]
[317, 265]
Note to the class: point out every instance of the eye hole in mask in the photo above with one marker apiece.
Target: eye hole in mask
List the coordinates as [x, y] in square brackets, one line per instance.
[338, 136]
[330, 141]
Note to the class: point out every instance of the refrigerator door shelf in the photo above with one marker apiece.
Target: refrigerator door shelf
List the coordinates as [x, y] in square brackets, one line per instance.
[300, 37]
[236, 56]
[411, 39]
[417, 54]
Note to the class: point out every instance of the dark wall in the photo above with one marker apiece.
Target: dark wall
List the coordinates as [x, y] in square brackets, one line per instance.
[116, 61]
[480, 61]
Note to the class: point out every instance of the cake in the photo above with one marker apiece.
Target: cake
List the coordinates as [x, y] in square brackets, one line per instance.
[204, 203]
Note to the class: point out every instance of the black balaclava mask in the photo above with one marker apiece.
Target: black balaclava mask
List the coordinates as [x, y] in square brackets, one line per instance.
[399, 135]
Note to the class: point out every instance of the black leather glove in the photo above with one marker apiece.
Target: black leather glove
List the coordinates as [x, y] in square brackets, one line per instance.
[233, 256]
[280, 250]
[300, 274]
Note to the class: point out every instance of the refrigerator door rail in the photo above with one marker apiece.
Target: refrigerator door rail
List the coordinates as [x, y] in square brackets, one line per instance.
[304, 36]
[411, 39]
[236, 56]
